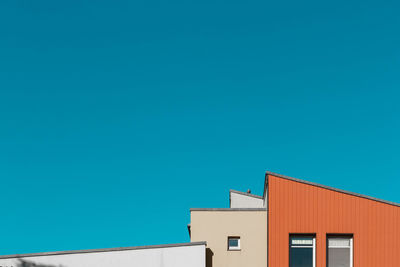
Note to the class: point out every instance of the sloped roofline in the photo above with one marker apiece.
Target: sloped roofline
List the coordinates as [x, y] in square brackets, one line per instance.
[267, 173]
[244, 193]
[101, 250]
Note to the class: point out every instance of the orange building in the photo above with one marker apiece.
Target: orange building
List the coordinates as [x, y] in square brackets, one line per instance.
[340, 228]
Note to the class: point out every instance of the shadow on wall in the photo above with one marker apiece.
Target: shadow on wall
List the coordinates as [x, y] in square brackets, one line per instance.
[209, 256]
[25, 263]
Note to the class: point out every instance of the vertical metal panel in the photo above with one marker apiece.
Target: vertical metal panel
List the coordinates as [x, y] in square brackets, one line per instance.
[295, 207]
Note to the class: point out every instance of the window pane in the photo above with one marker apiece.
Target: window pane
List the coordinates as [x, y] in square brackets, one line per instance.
[233, 243]
[339, 252]
[301, 241]
[301, 252]
[339, 257]
[301, 257]
[339, 242]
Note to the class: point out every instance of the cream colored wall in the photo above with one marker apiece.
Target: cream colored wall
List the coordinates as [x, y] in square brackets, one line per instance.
[214, 227]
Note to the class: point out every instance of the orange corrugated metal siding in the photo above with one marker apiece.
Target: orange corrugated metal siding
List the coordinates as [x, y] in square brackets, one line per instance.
[295, 207]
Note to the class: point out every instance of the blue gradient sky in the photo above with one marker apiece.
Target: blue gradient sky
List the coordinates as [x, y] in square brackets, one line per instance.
[118, 116]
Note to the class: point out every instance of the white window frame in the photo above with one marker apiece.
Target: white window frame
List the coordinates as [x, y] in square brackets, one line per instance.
[314, 254]
[351, 246]
[313, 245]
[234, 238]
[351, 252]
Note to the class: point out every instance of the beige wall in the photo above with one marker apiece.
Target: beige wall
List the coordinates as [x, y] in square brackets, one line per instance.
[215, 226]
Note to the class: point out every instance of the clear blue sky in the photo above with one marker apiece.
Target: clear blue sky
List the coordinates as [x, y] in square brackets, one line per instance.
[118, 116]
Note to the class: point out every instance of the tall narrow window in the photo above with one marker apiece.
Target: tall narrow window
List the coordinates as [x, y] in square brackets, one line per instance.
[302, 251]
[340, 251]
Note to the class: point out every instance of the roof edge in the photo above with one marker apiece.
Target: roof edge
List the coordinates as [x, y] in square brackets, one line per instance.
[228, 209]
[329, 188]
[101, 250]
[245, 194]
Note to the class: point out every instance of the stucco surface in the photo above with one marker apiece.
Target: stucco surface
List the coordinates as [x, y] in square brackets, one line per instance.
[183, 256]
[242, 201]
[215, 227]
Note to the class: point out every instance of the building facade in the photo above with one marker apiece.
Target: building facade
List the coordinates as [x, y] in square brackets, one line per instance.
[347, 229]
[173, 255]
[300, 224]
[295, 223]
[218, 226]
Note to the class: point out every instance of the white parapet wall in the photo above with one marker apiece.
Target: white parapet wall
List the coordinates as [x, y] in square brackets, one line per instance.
[174, 255]
[245, 200]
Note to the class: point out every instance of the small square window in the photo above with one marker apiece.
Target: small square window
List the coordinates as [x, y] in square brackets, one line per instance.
[233, 243]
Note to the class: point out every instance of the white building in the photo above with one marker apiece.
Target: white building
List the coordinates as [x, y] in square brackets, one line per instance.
[173, 255]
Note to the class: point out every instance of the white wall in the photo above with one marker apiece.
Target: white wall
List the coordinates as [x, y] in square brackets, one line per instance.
[243, 200]
[180, 256]
[265, 201]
